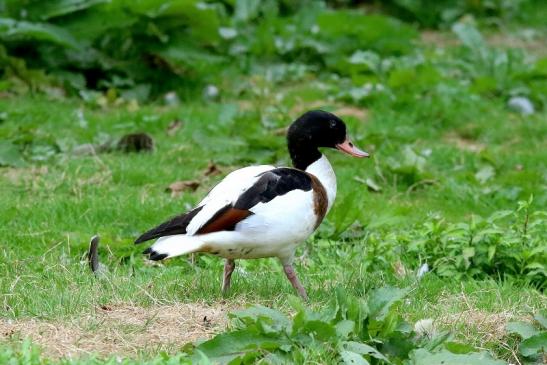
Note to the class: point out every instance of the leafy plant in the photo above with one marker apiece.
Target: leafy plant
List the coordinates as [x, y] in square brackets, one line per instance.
[486, 247]
[410, 168]
[117, 44]
[534, 341]
[351, 330]
[490, 70]
[439, 14]
[142, 49]
[10, 155]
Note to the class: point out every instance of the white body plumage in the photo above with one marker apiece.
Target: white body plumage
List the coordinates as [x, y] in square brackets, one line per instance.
[273, 230]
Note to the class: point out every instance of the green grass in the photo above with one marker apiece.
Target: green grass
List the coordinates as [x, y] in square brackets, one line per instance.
[49, 216]
[53, 205]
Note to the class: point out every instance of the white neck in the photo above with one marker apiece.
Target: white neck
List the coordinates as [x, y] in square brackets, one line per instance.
[322, 169]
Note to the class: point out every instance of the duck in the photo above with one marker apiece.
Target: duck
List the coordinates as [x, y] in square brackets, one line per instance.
[262, 211]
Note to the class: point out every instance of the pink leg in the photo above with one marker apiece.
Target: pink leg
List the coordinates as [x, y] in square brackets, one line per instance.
[291, 275]
[229, 266]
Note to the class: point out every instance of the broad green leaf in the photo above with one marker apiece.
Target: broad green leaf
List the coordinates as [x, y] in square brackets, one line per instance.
[534, 345]
[351, 308]
[344, 328]
[181, 53]
[468, 252]
[523, 329]
[398, 346]
[319, 329]
[200, 18]
[234, 344]
[484, 174]
[275, 317]
[424, 357]
[246, 10]
[352, 358]
[468, 35]
[541, 317]
[412, 159]
[381, 300]
[10, 155]
[364, 349]
[11, 29]
[100, 20]
[203, 360]
[437, 341]
[367, 59]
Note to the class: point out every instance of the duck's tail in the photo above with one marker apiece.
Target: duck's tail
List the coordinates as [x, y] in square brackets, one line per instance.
[171, 246]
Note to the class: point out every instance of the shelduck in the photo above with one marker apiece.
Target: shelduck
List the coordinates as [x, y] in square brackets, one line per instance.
[262, 211]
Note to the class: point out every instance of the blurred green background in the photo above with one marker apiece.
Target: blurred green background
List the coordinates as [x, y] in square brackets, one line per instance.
[450, 98]
[141, 49]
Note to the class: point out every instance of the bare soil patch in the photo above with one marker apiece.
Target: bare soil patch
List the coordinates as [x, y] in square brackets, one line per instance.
[121, 329]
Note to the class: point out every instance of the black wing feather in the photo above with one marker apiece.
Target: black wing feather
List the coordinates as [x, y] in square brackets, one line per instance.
[274, 183]
[176, 225]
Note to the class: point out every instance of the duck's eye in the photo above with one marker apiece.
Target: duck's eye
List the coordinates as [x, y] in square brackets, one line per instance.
[332, 123]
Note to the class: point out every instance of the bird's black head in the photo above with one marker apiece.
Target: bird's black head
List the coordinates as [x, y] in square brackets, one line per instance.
[315, 129]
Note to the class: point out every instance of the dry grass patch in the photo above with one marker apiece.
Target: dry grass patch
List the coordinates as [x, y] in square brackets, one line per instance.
[464, 144]
[459, 313]
[478, 325]
[121, 329]
[484, 328]
[439, 39]
[21, 176]
[534, 44]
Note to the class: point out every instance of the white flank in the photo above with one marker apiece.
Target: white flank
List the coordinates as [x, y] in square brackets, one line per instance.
[177, 245]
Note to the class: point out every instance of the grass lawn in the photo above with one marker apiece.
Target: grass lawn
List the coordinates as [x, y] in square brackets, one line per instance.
[442, 163]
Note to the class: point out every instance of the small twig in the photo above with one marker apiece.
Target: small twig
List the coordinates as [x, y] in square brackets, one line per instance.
[92, 255]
